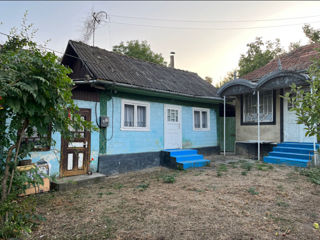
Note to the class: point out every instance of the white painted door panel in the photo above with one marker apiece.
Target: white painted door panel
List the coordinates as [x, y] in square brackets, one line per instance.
[172, 127]
[293, 132]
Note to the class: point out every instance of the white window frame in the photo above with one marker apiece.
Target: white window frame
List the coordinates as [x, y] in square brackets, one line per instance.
[135, 104]
[208, 119]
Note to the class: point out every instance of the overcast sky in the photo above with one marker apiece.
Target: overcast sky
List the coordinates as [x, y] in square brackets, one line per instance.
[208, 37]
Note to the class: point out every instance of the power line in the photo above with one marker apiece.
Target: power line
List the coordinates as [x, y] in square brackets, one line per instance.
[208, 28]
[213, 21]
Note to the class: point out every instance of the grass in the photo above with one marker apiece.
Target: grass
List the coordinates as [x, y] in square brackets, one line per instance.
[169, 179]
[313, 174]
[203, 206]
[247, 166]
[143, 186]
[253, 191]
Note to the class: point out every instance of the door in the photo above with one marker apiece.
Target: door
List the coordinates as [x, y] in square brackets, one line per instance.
[75, 153]
[293, 132]
[172, 127]
[230, 134]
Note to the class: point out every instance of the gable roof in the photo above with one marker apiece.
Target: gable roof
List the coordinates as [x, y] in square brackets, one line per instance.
[296, 60]
[121, 69]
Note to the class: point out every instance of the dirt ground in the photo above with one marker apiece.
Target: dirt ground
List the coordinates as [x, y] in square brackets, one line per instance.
[236, 200]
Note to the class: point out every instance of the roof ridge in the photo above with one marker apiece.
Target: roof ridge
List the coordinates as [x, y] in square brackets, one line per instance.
[137, 59]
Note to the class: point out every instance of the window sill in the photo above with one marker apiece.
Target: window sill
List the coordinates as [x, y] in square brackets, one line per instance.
[201, 129]
[136, 129]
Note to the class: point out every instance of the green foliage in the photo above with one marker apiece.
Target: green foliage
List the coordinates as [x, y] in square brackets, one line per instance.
[258, 55]
[140, 50]
[312, 34]
[247, 166]
[143, 186]
[169, 179]
[313, 174]
[253, 191]
[244, 173]
[35, 96]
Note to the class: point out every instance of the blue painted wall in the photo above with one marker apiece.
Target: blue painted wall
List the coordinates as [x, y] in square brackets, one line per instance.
[121, 142]
[195, 139]
[135, 141]
[53, 156]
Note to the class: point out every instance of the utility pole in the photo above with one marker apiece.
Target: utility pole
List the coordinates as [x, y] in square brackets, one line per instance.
[96, 17]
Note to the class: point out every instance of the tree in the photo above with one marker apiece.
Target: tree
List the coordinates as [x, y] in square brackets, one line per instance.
[306, 104]
[311, 33]
[293, 46]
[208, 79]
[141, 50]
[228, 78]
[258, 55]
[35, 94]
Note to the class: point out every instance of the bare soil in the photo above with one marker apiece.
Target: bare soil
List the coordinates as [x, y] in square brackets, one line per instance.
[223, 201]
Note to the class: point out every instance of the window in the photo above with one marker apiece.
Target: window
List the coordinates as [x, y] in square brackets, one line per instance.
[135, 115]
[41, 143]
[172, 115]
[250, 107]
[201, 119]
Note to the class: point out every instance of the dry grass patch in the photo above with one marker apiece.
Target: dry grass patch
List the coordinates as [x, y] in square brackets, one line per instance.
[266, 203]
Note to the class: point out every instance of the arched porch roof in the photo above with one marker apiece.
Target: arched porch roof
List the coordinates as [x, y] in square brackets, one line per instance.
[275, 80]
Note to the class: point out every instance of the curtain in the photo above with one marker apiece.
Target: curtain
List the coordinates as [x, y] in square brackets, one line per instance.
[128, 115]
[141, 116]
[196, 119]
[204, 120]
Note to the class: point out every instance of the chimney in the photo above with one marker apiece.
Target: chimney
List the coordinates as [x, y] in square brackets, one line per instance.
[172, 60]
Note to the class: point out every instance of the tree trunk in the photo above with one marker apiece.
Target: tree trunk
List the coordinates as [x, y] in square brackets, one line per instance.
[20, 136]
[6, 174]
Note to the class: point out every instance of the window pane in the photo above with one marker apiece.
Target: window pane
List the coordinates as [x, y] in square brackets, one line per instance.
[196, 119]
[141, 116]
[128, 115]
[204, 119]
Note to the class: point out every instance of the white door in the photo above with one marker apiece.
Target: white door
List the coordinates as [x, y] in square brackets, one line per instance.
[293, 132]
[172, 127]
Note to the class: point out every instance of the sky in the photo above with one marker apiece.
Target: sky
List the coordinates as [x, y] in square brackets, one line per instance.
[208, 37]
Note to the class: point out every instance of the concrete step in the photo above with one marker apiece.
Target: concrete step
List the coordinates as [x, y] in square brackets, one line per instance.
[191, 157]
[286, 161]
[68, 183]
[193, 164]
[293, 150]
[178, 152]
[290, 155]
[298, 145]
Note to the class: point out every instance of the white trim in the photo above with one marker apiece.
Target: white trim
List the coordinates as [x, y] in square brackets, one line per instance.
[135, 103]
[208, 119]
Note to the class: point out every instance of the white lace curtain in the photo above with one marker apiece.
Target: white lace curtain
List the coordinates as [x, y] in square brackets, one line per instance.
[128, 115]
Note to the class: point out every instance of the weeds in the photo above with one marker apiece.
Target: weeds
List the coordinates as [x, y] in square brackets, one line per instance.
[313, 174]
[282, 204]
[244, 173]
[168, 179]
[118, 186]
[252, 191]
[143, 186]
[247, 166]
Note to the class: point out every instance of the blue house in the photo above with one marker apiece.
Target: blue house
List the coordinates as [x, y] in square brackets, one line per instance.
[141, 109]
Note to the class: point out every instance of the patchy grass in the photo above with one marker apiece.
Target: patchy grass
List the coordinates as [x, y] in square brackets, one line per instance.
[141, 205]
[312, 173]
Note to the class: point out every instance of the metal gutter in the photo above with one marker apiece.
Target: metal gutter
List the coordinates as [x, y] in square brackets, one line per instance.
[103, 82]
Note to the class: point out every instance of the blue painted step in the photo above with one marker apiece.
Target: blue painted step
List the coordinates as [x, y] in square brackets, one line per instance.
[186, 158]
[291, 154]
[287, 161]
[193, 164]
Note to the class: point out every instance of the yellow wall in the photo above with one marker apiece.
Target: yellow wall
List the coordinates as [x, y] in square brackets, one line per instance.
[249, 132]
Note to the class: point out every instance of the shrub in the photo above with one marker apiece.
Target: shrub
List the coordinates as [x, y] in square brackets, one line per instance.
[168, 179]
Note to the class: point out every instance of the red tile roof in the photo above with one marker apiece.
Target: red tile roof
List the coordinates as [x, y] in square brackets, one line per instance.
[299, 59]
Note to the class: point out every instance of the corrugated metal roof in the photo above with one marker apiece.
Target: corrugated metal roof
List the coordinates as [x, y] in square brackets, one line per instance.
[296, 60]
[118, 68]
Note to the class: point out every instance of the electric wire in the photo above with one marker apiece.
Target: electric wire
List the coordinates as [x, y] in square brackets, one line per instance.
[213, 21]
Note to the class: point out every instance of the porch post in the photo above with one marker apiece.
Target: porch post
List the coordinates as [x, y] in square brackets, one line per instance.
[315, 136]
[258, 111]
[224, 125]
